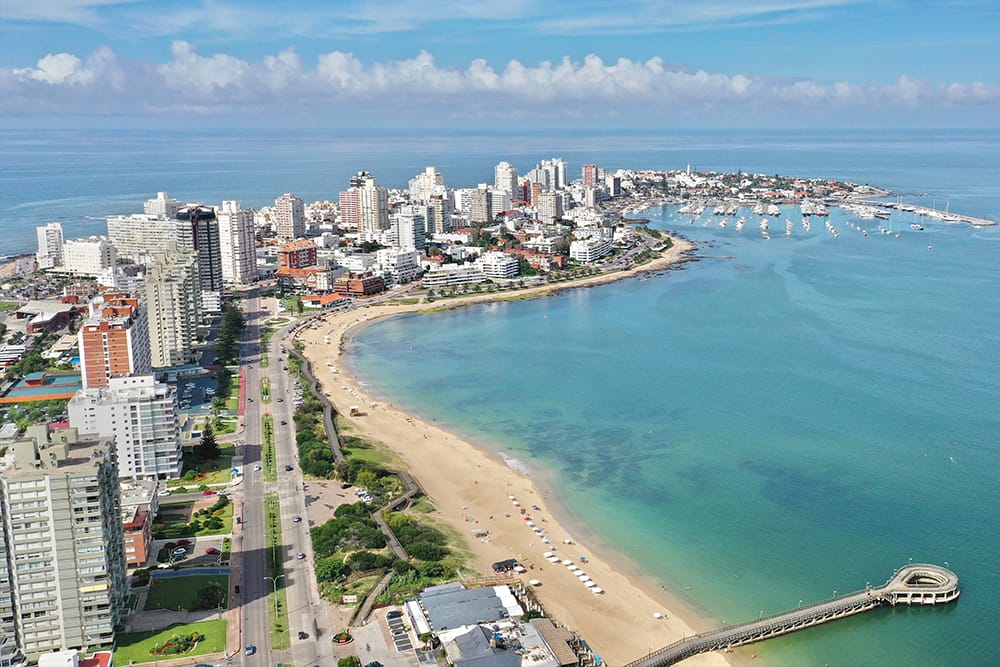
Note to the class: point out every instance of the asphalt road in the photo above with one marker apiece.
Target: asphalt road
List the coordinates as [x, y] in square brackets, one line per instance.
[307, 613]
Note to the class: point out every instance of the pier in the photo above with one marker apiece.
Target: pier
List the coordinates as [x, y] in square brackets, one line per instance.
[915, 584]
[938, 214]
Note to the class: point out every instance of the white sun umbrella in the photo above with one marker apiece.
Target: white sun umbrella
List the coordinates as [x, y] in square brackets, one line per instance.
[567, 562]
[590, 584]
[546, 540]
[547, 554]
[511, 498]
[572, 568]
[518, 568]
[554, 560]
[535, 582]
[585, 579]
[531, 524]
[581, 574]
[596, 590]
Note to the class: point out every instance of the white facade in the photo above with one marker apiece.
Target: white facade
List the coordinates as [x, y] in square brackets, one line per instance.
[398, 266]
[291, 217]
[141, 415]
[505, 180]
[453, 274]
[590, 250]
[359, 262]
[550, 207]
[138, 236]
[163, 206]
[406, 228]
[50, 246]
[89, 257]
[463, 199]
[173, 305]
[373, 209]
[423, 185]
[499, 265]
[237, 244]
[499, 202]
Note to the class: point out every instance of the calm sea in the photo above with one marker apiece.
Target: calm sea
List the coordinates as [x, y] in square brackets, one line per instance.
[778, 421]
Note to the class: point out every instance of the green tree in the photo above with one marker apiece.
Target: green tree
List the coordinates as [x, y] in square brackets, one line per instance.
[299, 307]
[210, 597]
[349, 661]
[208, 448]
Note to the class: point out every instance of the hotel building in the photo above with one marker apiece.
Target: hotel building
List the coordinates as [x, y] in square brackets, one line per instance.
[114, 340]
[291, 217]
[50, 246]
[237, 244]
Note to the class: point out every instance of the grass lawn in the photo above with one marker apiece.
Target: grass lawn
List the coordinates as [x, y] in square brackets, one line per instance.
[136, 647]
[280, 638]
[267, 427]
[176, 521]
[182, 592]
[233, 403]
[211, 471]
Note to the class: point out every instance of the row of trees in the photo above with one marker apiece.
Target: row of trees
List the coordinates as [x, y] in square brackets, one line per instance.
[315, 455]
[227, 345]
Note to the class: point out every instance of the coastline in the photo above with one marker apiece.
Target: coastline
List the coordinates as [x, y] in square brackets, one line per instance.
[470, 489]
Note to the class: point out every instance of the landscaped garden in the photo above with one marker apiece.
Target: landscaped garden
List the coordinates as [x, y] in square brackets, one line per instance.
[177, 641]
[173, 521]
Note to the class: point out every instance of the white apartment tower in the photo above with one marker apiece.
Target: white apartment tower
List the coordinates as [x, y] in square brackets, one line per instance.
[438, 213]
[406, 228]
[550, 207]
[140, 414]
[173, 306]
[291, 217]
[505, 179]
[62, 552]
[89, 257]
[373, 208]
[423, 185]
[481, 205]
[162, 207]
[50, 246]
[237, 243]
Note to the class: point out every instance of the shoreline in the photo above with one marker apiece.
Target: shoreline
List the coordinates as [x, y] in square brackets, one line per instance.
[470, 488]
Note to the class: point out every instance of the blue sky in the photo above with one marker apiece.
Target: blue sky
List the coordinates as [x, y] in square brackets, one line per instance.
[712, 63]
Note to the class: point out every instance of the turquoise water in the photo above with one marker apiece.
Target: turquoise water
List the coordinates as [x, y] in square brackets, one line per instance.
[802, 418]
[755, 431]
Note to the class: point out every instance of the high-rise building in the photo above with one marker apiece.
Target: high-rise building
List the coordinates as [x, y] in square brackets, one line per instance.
[163, 206]
[438, 213]
[62, 556]
[50, 246]
[423, 184]
[406, 228]
[550, 206]
[590, 175]
[172, 305]
[114, 340]
[499, 202]
[480, 209]
[89, 257]
[350, 208]
[291, 217]
[140, 414]
[373, 208]
[237, 244]
[202, 233]
[505, 179]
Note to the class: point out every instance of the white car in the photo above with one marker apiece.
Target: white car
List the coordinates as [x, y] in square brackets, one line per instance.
[257, 467]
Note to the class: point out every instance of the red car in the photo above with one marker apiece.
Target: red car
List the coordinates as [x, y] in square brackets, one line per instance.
[212, 550]
[209, 492]
[183, 543]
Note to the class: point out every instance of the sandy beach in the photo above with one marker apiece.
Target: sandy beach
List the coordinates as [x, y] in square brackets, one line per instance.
[475, 491]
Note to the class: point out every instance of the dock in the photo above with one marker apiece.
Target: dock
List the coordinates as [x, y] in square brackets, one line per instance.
[945, 216]
[913, 584]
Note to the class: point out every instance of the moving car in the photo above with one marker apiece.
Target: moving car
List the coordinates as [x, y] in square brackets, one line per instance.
[288, 468]
[208, 492]
[300, 555]
[296, 518]
[249, 649]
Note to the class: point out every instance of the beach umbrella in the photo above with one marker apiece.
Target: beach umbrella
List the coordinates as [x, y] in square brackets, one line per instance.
[585, 579]
[596, 590]
[547, 554]
[572, 568]
[590, 584]
[581, 574]
[567, 562]
[657, 615]
[518, 568]
[511, 498]
[531, 523]
[535, 582]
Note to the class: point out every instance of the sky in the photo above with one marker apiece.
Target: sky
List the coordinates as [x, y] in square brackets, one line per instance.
[539, 63]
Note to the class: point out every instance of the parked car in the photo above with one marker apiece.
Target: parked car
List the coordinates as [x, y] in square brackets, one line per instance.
[284, 423]
[224, 492]
[303, 635]
[180, 551]
[209, 492]
[183, 543]
[296, 518]
[257, 467]
[164, 492]
[212, 550]
[281, 400]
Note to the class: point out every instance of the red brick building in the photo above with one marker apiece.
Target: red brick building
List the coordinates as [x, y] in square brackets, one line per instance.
[359, 285]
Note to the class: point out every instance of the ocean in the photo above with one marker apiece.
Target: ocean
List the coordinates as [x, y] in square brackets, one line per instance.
[778, 421]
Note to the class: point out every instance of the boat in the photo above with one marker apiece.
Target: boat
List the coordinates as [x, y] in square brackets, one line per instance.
[918, 227]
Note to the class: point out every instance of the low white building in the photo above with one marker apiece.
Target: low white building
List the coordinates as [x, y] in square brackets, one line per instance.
[542, 244]
[88, 257]
[590, 250]
[398, 266]
[499, 265]
[450, 275]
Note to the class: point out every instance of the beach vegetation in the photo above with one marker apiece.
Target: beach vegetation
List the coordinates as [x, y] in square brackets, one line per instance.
[351, 529]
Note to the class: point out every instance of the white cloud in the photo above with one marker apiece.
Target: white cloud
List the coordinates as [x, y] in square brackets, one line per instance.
[340, 84]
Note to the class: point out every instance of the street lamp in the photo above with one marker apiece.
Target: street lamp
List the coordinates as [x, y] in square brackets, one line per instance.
[274, 583]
